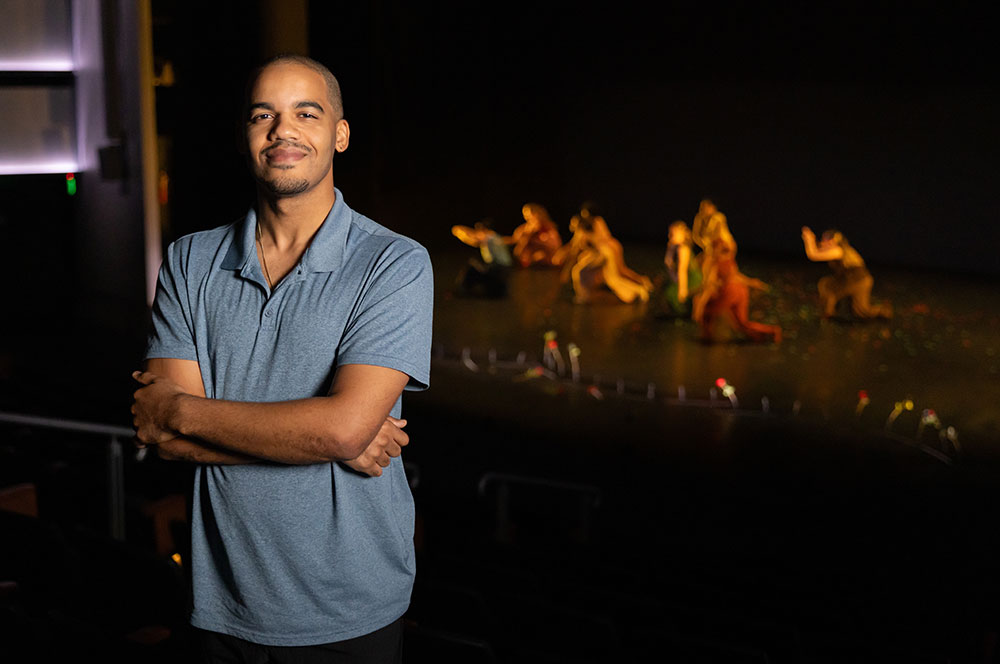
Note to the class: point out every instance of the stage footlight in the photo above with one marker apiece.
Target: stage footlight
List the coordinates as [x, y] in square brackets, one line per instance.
[728, 391]
[574, 360]
[928, 418]
[897, 409]
[467, 360]
[863, 401]
[551, 356]
[951, 436]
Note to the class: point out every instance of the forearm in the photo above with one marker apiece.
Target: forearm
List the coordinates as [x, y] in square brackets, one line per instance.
[303, 431]
[683, 261]
[815, 253]
[810, 247]
[193, 451]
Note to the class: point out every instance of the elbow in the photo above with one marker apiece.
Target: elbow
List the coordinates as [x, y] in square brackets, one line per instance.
[339, 444]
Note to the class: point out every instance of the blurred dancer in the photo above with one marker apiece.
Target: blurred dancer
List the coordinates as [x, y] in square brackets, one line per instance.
[682, 269]
[537, 240]
[486, 275]
[850, 278]
[593, 257]
[710, 225]
[710, 231]
[729, 299]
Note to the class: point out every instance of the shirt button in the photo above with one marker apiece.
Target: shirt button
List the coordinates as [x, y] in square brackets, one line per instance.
[268, 313]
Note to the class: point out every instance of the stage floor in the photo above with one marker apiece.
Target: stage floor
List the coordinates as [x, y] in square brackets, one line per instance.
[939, 351]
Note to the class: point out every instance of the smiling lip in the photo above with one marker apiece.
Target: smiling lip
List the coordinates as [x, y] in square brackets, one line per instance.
[284, 155]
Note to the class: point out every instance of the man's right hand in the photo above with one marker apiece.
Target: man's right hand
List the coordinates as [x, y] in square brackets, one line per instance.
[387, 443]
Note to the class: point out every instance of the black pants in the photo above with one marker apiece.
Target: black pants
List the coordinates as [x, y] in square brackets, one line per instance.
[383, 646]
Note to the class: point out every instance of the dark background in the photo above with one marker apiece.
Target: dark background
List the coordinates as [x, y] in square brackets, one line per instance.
[876, 118]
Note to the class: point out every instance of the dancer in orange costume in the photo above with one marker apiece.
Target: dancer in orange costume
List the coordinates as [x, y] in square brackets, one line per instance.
[537, 240]
[709, 231]
[593, 257]
[850, 278]
[729, 299]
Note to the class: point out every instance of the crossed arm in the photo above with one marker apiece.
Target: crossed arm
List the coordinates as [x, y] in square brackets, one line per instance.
[351, 424]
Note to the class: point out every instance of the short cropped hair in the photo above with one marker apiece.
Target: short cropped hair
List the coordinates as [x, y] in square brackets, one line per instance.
[332, 86]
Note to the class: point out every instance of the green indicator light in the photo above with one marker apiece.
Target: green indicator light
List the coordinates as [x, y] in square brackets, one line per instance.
[70, 184]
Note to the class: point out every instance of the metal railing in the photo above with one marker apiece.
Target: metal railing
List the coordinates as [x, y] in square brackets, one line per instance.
[115, 458]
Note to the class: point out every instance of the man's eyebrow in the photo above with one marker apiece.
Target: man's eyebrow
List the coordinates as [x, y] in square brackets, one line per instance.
[311, 104]
[302, 104]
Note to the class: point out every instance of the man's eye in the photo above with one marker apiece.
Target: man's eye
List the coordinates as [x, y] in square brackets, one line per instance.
[260, 116]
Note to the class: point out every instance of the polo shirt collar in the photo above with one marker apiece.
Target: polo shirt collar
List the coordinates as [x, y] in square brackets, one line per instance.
[324, 254]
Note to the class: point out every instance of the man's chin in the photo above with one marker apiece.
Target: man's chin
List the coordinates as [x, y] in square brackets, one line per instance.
[285, 186]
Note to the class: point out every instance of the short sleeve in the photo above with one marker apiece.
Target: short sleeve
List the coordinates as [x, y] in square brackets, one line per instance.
[172, 332]
[392, 324]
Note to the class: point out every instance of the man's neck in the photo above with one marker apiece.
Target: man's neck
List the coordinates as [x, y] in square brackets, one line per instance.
[288, 223]
[286, 226]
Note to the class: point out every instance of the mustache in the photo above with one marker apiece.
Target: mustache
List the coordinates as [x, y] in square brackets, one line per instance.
[285, 143]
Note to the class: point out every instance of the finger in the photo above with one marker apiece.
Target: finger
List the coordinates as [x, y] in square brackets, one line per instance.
[143, 377]
[393, 450]
[398, 422]
[402, 439]
[383, 460]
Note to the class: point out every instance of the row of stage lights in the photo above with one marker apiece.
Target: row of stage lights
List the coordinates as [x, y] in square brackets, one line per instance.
[554, 366]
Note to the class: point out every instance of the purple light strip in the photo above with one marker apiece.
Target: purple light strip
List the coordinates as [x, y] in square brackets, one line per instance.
[53, 64]
[38, 168]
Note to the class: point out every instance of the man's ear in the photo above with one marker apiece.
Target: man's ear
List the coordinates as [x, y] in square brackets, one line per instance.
[343, 131]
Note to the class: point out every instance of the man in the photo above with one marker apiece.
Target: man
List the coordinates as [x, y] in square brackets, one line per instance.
[280, 347]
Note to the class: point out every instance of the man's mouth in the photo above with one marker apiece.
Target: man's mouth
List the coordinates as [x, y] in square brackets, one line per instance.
[284, 154]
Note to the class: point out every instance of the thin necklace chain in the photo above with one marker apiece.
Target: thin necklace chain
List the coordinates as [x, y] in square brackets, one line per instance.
[263, 258]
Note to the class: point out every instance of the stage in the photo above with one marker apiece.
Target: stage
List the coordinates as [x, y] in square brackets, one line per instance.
[939, 351]
[802, 521]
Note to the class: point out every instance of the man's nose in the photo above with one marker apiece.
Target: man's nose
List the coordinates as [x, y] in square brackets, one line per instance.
[282, 127]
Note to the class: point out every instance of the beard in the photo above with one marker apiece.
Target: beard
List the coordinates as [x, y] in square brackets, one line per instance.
[285, 186]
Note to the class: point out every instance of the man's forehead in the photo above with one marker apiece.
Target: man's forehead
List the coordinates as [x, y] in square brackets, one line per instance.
[286, 78]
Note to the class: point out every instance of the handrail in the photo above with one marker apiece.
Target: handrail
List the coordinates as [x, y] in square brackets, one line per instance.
[66, 425]
[491, 476]
[115, 458]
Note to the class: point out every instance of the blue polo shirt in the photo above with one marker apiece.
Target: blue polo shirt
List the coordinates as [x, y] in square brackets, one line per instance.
[297, 555]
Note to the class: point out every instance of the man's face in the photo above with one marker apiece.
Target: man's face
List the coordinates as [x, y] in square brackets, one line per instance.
[292, 133]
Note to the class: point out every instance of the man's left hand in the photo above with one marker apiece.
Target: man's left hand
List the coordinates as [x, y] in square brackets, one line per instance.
[387, 443]
[154, 408]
